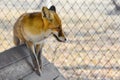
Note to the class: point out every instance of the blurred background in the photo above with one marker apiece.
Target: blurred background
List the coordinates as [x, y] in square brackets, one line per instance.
[92, 28]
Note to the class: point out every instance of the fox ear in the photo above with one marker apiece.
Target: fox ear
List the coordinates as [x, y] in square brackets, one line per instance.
[46, 13]
[52, 8]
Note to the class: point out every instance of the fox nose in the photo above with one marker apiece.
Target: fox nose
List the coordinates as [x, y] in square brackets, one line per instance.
[65, 39]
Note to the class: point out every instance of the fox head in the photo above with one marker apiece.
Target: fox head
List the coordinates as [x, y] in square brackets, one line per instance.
[54, 23]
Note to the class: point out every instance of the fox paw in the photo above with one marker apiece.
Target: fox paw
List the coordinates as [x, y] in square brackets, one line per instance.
[38, 71]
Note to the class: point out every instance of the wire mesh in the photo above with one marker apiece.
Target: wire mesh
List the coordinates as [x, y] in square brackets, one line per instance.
[92, 28]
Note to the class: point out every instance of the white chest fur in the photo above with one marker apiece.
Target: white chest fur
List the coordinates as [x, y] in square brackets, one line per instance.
[36, 39]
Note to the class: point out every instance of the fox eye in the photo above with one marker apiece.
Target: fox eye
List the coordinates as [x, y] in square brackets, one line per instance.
[58, 28]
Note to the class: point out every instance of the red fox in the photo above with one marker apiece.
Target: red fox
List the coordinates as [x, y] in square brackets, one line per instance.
[33, 28]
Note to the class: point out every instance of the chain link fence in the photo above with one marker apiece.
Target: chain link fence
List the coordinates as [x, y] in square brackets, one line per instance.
[92, 28]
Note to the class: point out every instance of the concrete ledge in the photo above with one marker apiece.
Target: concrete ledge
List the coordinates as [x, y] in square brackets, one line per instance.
[15, 64]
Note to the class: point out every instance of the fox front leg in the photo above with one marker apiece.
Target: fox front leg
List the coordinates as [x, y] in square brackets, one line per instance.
[39, 52]
[35, 61]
